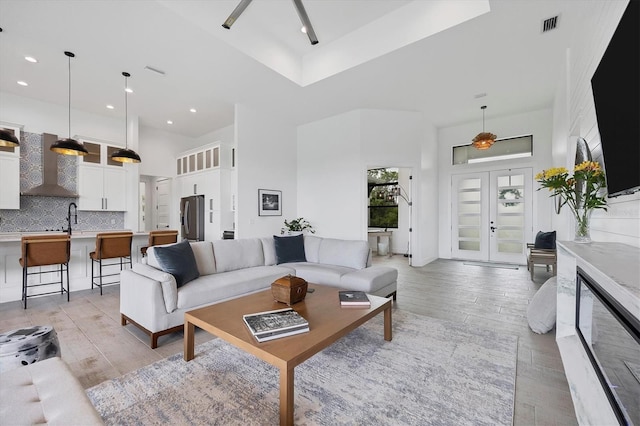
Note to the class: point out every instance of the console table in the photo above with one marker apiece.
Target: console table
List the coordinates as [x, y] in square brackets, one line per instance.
[615, 267]
[379, 234]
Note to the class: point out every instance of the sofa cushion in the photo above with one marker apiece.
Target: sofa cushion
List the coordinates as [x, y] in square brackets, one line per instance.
[269, 249]
[370, 279]
[237, 254]
[312, 248]
[203, 252]
[318, 273]
[220, 286]
[179, 261]
[545, 240]
[349, 253]
[289, 249]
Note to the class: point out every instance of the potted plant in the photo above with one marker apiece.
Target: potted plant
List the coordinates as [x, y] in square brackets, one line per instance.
[296, 226]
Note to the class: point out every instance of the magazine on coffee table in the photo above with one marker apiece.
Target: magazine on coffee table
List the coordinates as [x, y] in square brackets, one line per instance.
[271, 325]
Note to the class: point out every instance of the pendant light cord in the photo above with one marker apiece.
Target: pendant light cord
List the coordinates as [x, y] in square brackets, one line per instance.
[126, 113]
[69, 103]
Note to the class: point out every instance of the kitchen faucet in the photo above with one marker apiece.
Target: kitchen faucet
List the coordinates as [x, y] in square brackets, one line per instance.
[75, 216]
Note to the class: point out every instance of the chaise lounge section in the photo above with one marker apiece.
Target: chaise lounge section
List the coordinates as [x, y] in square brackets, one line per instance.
[151, 299]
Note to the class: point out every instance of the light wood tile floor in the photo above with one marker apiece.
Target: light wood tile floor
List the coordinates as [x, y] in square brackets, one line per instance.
[97, 347]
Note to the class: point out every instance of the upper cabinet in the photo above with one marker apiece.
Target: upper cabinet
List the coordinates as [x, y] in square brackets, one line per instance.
[209, 157]
[101, 181]
[99, 154]
[10, 173]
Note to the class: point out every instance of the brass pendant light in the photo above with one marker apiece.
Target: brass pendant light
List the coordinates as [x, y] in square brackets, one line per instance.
[126, 155]
[8, 138]
[483, 140]
[68, 146]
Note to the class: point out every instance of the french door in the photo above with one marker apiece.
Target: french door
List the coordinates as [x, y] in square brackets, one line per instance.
[491, 215]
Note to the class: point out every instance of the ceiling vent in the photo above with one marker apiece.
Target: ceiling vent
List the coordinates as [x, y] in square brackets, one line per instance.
[550, 24]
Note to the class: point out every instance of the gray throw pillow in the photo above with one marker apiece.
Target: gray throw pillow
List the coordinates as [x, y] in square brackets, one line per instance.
[179, 261]
[289, 249]
[541, 312]
[545, 240]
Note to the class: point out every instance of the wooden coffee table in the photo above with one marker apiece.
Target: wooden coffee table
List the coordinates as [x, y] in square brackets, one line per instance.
[327, 323]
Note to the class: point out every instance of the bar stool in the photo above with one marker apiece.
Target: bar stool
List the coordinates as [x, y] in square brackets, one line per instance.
[110, 245]
[45, 250]
[158, 237]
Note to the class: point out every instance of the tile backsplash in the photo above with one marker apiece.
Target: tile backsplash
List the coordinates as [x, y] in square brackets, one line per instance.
[46, 213]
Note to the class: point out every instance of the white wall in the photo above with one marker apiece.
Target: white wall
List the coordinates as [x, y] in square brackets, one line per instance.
[538, 123]
[333, 157]
[331, 179]
[266, 159]
[575, 116]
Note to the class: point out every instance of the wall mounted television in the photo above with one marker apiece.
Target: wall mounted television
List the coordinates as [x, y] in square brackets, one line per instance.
[616, 92]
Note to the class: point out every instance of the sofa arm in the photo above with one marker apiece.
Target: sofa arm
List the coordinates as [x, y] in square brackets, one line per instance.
[371, 280]
[142, 299]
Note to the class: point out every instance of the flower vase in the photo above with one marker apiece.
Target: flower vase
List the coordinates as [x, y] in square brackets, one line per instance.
[583, 226]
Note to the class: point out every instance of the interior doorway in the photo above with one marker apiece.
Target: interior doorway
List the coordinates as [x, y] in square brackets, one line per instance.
[389, 210]
[491, 215]
[155, 203]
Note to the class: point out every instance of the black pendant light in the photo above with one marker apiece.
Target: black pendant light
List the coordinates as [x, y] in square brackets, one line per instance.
[126, 155]
[8, 138]
[68, 146]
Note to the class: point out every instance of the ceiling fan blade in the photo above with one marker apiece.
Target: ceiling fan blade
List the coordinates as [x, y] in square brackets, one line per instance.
[236, 13]
[302, 13]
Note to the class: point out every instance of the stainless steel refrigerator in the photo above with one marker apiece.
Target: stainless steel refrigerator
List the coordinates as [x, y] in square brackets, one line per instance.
[192, 218]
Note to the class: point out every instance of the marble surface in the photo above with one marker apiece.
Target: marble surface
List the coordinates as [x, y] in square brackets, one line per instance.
[616, 268]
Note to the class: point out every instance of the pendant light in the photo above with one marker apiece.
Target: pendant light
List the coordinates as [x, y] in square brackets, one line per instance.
[126, 155]
[68, 146]
[483, 140]
[7, 138]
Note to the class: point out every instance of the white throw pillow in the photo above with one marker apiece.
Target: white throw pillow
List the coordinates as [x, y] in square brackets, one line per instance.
[541, 312]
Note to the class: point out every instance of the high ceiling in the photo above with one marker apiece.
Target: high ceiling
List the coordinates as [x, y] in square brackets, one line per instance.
[433, 56]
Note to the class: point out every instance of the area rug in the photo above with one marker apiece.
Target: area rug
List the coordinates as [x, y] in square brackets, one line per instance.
[433, 372]
[492, 265]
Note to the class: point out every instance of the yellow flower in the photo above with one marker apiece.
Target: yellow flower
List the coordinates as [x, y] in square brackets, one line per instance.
[588, 166]
[555, 171]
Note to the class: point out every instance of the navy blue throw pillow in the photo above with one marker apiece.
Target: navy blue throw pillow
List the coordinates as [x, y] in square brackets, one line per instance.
[179, 261]
[289, 249]
[545, 240]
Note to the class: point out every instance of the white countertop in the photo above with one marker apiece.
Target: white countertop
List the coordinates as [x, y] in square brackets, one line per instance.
[17, 236]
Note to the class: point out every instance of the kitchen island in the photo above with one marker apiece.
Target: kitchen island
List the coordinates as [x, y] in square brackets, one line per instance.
[82, 243]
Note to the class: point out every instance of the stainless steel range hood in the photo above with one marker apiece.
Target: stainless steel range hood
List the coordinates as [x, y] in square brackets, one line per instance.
[49, 187]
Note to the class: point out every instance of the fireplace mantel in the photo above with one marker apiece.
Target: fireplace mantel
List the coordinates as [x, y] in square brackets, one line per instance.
[616, 268]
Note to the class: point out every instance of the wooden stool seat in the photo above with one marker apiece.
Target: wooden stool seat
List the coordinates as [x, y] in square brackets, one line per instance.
[45, 250]
[110, 245]
[158, 237]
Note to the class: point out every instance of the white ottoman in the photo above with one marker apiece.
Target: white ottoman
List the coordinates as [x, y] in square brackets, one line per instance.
[45, 392]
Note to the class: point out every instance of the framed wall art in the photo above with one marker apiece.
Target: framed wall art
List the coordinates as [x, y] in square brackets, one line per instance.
[269, 202]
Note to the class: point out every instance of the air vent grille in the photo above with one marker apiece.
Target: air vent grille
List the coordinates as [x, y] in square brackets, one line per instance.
[550, 24]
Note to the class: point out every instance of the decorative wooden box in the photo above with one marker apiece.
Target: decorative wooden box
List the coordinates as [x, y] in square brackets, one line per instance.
[289, 289]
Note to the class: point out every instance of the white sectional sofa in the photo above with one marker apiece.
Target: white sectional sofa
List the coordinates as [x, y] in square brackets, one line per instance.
[151, 299]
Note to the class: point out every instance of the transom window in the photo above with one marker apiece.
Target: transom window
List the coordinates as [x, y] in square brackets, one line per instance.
[502, 149]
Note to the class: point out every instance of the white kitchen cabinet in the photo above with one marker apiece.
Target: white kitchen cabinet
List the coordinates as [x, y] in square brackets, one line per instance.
[102, 188]
[10, 178]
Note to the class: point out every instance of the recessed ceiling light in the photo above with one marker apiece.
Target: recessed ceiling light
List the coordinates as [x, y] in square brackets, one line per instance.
[31, 59]
[23, 83]
[109, 106]
[169, 122]
[128, 90]
[193, 110]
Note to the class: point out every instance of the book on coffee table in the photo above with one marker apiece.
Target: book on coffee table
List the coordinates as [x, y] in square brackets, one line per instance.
[354, 298]
[271, 325]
